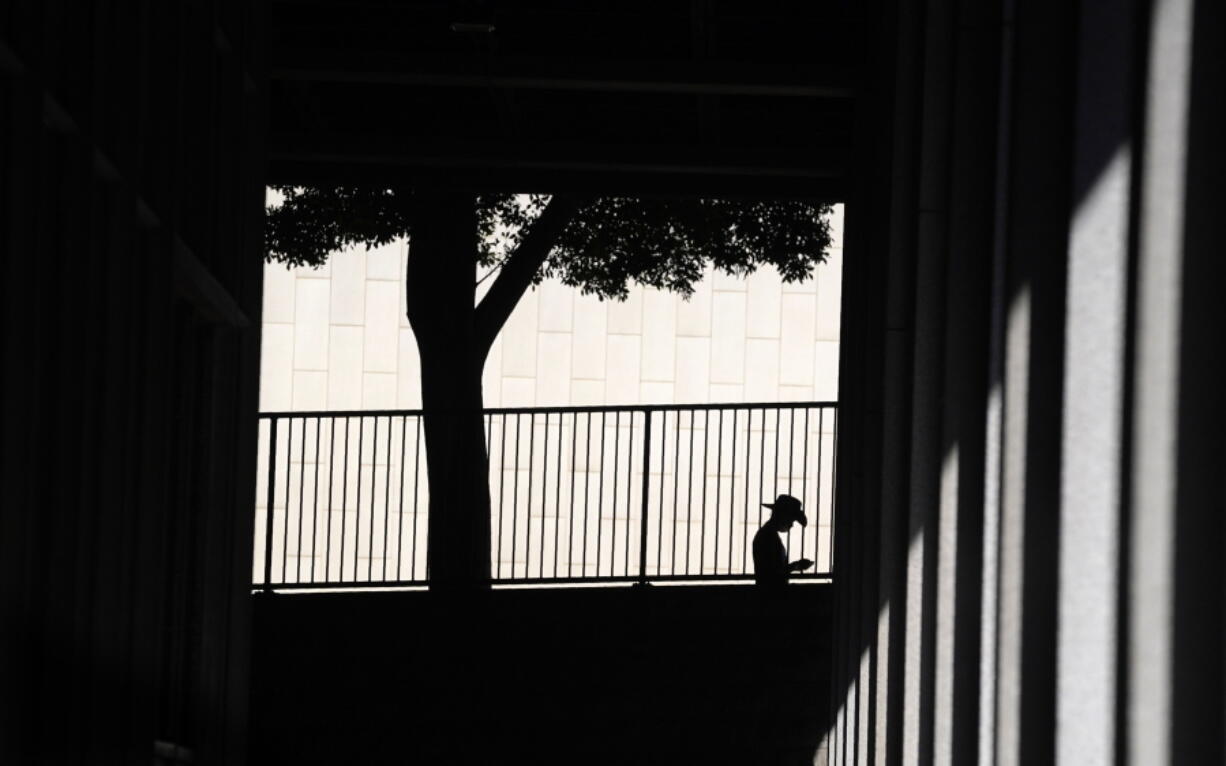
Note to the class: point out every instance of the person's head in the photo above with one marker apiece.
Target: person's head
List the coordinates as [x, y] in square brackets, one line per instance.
[785, 511]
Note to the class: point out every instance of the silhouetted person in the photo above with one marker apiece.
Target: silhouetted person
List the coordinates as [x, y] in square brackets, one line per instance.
[770, 558]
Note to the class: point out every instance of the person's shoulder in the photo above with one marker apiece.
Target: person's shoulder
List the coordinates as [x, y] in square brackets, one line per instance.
[763, 538]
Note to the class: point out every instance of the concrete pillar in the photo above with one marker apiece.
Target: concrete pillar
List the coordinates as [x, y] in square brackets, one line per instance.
[989, 570]
[1174, 581]
[889, 609]
[1200, 527]
[858, 466]
[1094, 386]
[926, 380]
[959, 523]
[1051, 414]
[1034, 239]
[1155, 383]
[861, 426]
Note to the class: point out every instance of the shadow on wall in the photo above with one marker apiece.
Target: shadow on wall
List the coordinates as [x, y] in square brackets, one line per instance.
[649, 675]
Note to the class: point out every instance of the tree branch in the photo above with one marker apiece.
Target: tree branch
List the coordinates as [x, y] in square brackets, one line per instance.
[518, 270]
[497, 267]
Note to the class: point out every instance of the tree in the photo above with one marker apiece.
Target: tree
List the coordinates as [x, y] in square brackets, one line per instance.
[599, 245]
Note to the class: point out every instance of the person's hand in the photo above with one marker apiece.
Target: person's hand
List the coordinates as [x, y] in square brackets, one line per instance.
[800, 566]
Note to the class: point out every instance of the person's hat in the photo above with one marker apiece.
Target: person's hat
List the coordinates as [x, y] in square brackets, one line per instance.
[789, 507]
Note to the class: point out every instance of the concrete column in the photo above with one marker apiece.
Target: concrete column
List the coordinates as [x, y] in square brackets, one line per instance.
[1034, 239]
[867, 311]
[860, 415]
[1094, 386]
[926, 381]
[959, 522]
[1155, 382]
[1174, 644]
[993, 412]
[889, 609]
[1200, 528]
[19, 521]
[1053, 430]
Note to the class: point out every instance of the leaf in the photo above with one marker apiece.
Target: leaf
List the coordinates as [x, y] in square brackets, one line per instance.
[612, 243]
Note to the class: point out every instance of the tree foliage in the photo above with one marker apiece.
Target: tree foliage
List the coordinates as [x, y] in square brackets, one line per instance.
[610, 243]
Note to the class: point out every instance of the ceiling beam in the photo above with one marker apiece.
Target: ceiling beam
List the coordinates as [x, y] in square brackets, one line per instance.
[703, 78]
[813, 162]
[694, 171]
[554, 181]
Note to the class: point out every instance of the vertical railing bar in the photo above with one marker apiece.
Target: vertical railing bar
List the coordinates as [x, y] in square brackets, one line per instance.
[301, 500]
[528, 503]
[331, 489]
[791, 445]
[271, 499]
[804, 486]
[315, 500]
[719, 474]
[404, 442]
[617, 439]
[775, 465]
[732, 491]
[289, 453]
[646, 494]
[762, 467]
[702, 527]
[778, 428]
[587, 489]
[502, 487]
[689, 506]
[416, 494]
[600, 493]
[544, 496]
[544, 490]
[672, 564]
[515, 499]
[557, 499]
[357, 522]
[660, 517]
[387, 496]
[834, 495]
[340, 567]
[791, 449]
[629, 483]
[745, 526]
[374, 465]
[570, 512]
[817, 501]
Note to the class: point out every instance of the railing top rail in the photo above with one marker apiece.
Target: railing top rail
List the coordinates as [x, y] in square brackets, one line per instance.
[555, 410]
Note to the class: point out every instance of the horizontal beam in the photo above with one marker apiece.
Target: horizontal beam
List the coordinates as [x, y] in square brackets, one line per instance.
[358, 150]
[701, 78]
[520, 181]
[590, 84]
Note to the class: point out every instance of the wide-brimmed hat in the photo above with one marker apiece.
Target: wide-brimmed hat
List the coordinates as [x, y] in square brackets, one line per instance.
[789, 507]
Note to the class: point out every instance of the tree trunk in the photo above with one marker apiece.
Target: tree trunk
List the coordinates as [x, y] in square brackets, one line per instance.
[440, 291]
[453, 338]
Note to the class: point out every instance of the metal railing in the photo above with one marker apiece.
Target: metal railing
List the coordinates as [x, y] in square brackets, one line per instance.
[578, 494]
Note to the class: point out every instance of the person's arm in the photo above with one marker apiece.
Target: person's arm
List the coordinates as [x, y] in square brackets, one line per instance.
[800, 566]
